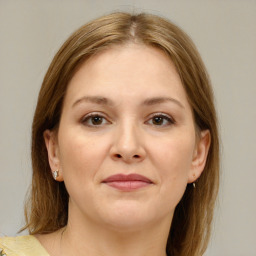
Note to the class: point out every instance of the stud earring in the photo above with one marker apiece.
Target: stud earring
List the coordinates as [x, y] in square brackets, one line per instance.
[55, 174]
[194, 184]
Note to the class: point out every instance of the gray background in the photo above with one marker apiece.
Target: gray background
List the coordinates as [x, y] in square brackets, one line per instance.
[224, 31]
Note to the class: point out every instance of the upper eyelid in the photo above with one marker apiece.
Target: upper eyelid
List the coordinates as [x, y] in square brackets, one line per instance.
[103, 115]
[91, 114]
[161, 114]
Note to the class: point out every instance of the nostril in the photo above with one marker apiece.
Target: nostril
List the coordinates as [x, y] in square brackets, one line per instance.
[119, 156]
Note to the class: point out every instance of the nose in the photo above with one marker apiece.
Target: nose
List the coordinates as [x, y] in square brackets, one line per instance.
[128, 145]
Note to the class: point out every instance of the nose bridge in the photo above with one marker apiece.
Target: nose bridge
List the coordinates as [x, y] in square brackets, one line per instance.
[127, 135]
[128, 141]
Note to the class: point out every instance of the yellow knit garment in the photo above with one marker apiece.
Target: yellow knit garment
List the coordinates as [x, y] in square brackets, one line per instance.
[21, 246]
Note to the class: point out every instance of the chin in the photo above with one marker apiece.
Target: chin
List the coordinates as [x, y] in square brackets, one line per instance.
[128, 218]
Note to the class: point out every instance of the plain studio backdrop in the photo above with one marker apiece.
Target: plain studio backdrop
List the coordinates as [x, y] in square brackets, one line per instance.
[225, 34]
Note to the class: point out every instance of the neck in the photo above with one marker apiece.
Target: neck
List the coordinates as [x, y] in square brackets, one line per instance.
[95, 240]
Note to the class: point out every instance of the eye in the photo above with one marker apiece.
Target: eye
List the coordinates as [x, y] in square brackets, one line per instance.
[94, 120]
[161, 120]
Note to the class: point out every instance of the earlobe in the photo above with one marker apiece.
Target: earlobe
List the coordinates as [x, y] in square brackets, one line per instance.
[53, 153]
[200, 155]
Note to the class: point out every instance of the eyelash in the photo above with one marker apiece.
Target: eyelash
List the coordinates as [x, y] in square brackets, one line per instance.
[88, 118]
[167, 118]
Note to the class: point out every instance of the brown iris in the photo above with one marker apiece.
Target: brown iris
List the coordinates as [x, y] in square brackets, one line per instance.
[96, 120]
[157, 120]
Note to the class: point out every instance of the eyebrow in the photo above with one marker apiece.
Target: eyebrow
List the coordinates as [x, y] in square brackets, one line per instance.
[108, 102]
[159, 100]
[94, 99]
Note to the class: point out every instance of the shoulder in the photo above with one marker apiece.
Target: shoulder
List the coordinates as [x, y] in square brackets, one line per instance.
[21, 245]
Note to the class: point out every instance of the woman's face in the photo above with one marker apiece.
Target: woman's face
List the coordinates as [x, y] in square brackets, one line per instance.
[126, 145]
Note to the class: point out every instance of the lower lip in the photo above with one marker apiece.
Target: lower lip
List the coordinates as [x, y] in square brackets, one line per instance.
[128, 185]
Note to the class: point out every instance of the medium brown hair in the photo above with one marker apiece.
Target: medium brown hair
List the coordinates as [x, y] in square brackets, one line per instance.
[47, 207]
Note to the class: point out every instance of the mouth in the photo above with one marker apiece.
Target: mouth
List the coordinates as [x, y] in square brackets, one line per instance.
[128, 182]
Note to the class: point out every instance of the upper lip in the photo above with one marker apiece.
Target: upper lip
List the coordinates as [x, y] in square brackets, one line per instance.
[127, 177]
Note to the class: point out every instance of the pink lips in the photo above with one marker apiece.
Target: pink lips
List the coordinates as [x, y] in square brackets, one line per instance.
[127, 182]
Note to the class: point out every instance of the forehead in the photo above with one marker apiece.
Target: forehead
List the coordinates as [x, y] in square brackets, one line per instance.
[127, 71]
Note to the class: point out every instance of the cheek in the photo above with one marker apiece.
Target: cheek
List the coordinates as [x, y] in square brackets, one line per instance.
[174, 154]
[172, 158]
[80, 156]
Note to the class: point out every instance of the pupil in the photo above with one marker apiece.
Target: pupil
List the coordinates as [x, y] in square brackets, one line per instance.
[97, 120]
[158, 120]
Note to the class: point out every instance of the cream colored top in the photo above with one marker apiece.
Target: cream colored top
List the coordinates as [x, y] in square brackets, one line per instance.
[21, 246]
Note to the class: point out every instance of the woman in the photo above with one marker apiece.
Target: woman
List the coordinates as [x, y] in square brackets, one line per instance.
[125, 147]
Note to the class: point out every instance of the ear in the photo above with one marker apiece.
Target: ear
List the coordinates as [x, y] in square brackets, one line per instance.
[51, 143]
[200, 155]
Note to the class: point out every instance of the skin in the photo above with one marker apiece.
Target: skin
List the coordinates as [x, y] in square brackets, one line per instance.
[136, 130]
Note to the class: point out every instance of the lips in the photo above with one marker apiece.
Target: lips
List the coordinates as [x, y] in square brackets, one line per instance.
[127, 182]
